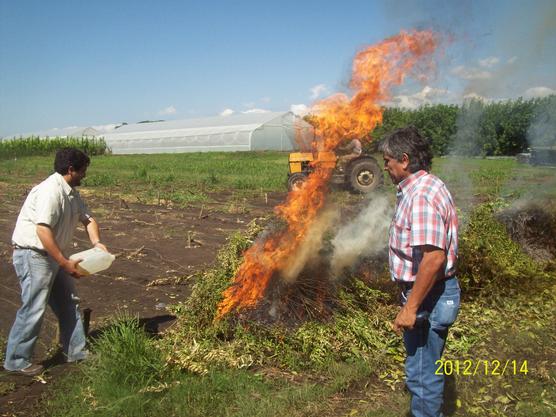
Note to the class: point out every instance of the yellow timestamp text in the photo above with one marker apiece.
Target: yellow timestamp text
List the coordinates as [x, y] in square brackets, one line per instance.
[470, 367]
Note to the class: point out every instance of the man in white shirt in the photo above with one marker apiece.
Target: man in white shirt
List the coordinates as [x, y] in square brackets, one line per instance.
[41, 240]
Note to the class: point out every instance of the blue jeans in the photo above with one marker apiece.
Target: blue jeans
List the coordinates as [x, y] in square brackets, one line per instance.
[424, 346]
[43, 282]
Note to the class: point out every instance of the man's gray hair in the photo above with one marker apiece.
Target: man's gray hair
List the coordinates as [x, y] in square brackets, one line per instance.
[408, 140]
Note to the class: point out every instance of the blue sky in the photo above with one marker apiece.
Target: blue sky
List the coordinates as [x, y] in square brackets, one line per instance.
[92, 63]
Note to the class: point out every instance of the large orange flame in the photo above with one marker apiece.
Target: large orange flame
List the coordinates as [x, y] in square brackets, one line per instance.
[376, 70]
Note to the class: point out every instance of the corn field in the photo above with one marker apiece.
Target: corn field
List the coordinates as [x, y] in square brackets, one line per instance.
[33, 146]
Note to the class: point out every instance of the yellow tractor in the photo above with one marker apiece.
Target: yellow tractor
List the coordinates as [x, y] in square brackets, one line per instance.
[361, 174]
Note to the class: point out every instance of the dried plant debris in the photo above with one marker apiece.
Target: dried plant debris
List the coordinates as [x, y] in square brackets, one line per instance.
[533, 227]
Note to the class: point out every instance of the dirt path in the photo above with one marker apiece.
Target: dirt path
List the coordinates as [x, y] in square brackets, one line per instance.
[158, 248]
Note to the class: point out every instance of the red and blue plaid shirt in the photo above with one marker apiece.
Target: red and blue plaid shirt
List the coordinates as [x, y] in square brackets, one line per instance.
[425, 215]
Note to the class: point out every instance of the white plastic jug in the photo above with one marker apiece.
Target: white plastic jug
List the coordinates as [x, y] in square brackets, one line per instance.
[94, 260]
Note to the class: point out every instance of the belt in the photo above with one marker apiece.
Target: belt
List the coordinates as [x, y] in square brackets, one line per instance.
[41, 251]
[407, 285]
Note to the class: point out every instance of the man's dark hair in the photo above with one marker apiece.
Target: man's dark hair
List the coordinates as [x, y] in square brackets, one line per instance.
[70, 157]
[408, 140]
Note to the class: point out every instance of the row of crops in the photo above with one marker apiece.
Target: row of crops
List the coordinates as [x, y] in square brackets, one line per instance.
[35, 146]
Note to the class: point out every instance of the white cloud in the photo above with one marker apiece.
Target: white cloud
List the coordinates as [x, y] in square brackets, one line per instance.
[318, 90]
[427, 95]
[299, 109]
[489, 62]
[469, 73]
[256, 111]
[167, 111]
[538, 92]
[227, 112]
[512, 59]
[265, 100]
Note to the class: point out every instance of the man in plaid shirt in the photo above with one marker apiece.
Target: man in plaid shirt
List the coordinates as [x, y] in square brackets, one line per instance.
[423, 246]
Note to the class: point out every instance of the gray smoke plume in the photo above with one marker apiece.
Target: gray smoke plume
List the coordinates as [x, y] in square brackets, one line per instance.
[312, 244]
[542, 130]
[363, 236]
[466, 141]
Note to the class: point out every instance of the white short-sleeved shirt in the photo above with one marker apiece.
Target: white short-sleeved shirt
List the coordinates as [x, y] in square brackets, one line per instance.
[54, 203]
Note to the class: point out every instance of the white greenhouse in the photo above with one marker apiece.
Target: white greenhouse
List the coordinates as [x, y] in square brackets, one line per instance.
[243, 132]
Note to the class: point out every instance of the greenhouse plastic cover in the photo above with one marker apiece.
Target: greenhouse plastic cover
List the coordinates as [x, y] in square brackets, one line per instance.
[243, 132]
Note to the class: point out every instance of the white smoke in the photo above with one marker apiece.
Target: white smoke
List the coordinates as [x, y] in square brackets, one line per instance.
[541, 131]
[312, 244]
[466, 141]
[366, 235]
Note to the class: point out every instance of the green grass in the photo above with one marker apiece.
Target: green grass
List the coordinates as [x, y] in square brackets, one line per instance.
[193, 178]
[180, 178]
[128, 377]
[219, 393]
[204, 171]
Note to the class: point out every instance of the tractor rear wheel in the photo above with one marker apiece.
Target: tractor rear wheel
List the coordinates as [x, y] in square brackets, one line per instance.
[365, 175]
[295, 181]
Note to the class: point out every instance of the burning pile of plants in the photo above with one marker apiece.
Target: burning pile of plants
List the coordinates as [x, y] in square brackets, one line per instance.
[323, 329]
[309, 287]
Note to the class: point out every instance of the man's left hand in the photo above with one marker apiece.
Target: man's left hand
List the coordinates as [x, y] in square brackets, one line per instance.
[404, 320]
[101, 246]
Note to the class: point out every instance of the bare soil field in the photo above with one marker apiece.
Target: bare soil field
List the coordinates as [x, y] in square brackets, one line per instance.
[159, 249]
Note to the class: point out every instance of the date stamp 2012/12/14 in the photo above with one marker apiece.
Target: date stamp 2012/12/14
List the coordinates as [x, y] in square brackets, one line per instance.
[470, 367]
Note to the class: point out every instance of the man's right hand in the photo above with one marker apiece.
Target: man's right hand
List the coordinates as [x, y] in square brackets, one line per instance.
[46, 236]
[70, 266]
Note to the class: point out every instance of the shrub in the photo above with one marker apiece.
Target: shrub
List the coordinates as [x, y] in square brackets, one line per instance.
[476, 128]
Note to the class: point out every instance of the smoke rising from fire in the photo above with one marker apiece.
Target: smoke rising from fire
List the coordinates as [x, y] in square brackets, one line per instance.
[376, 70]
[365, 235]
[356, 238]
[466, 140]
[542, 129]
[312, 243]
